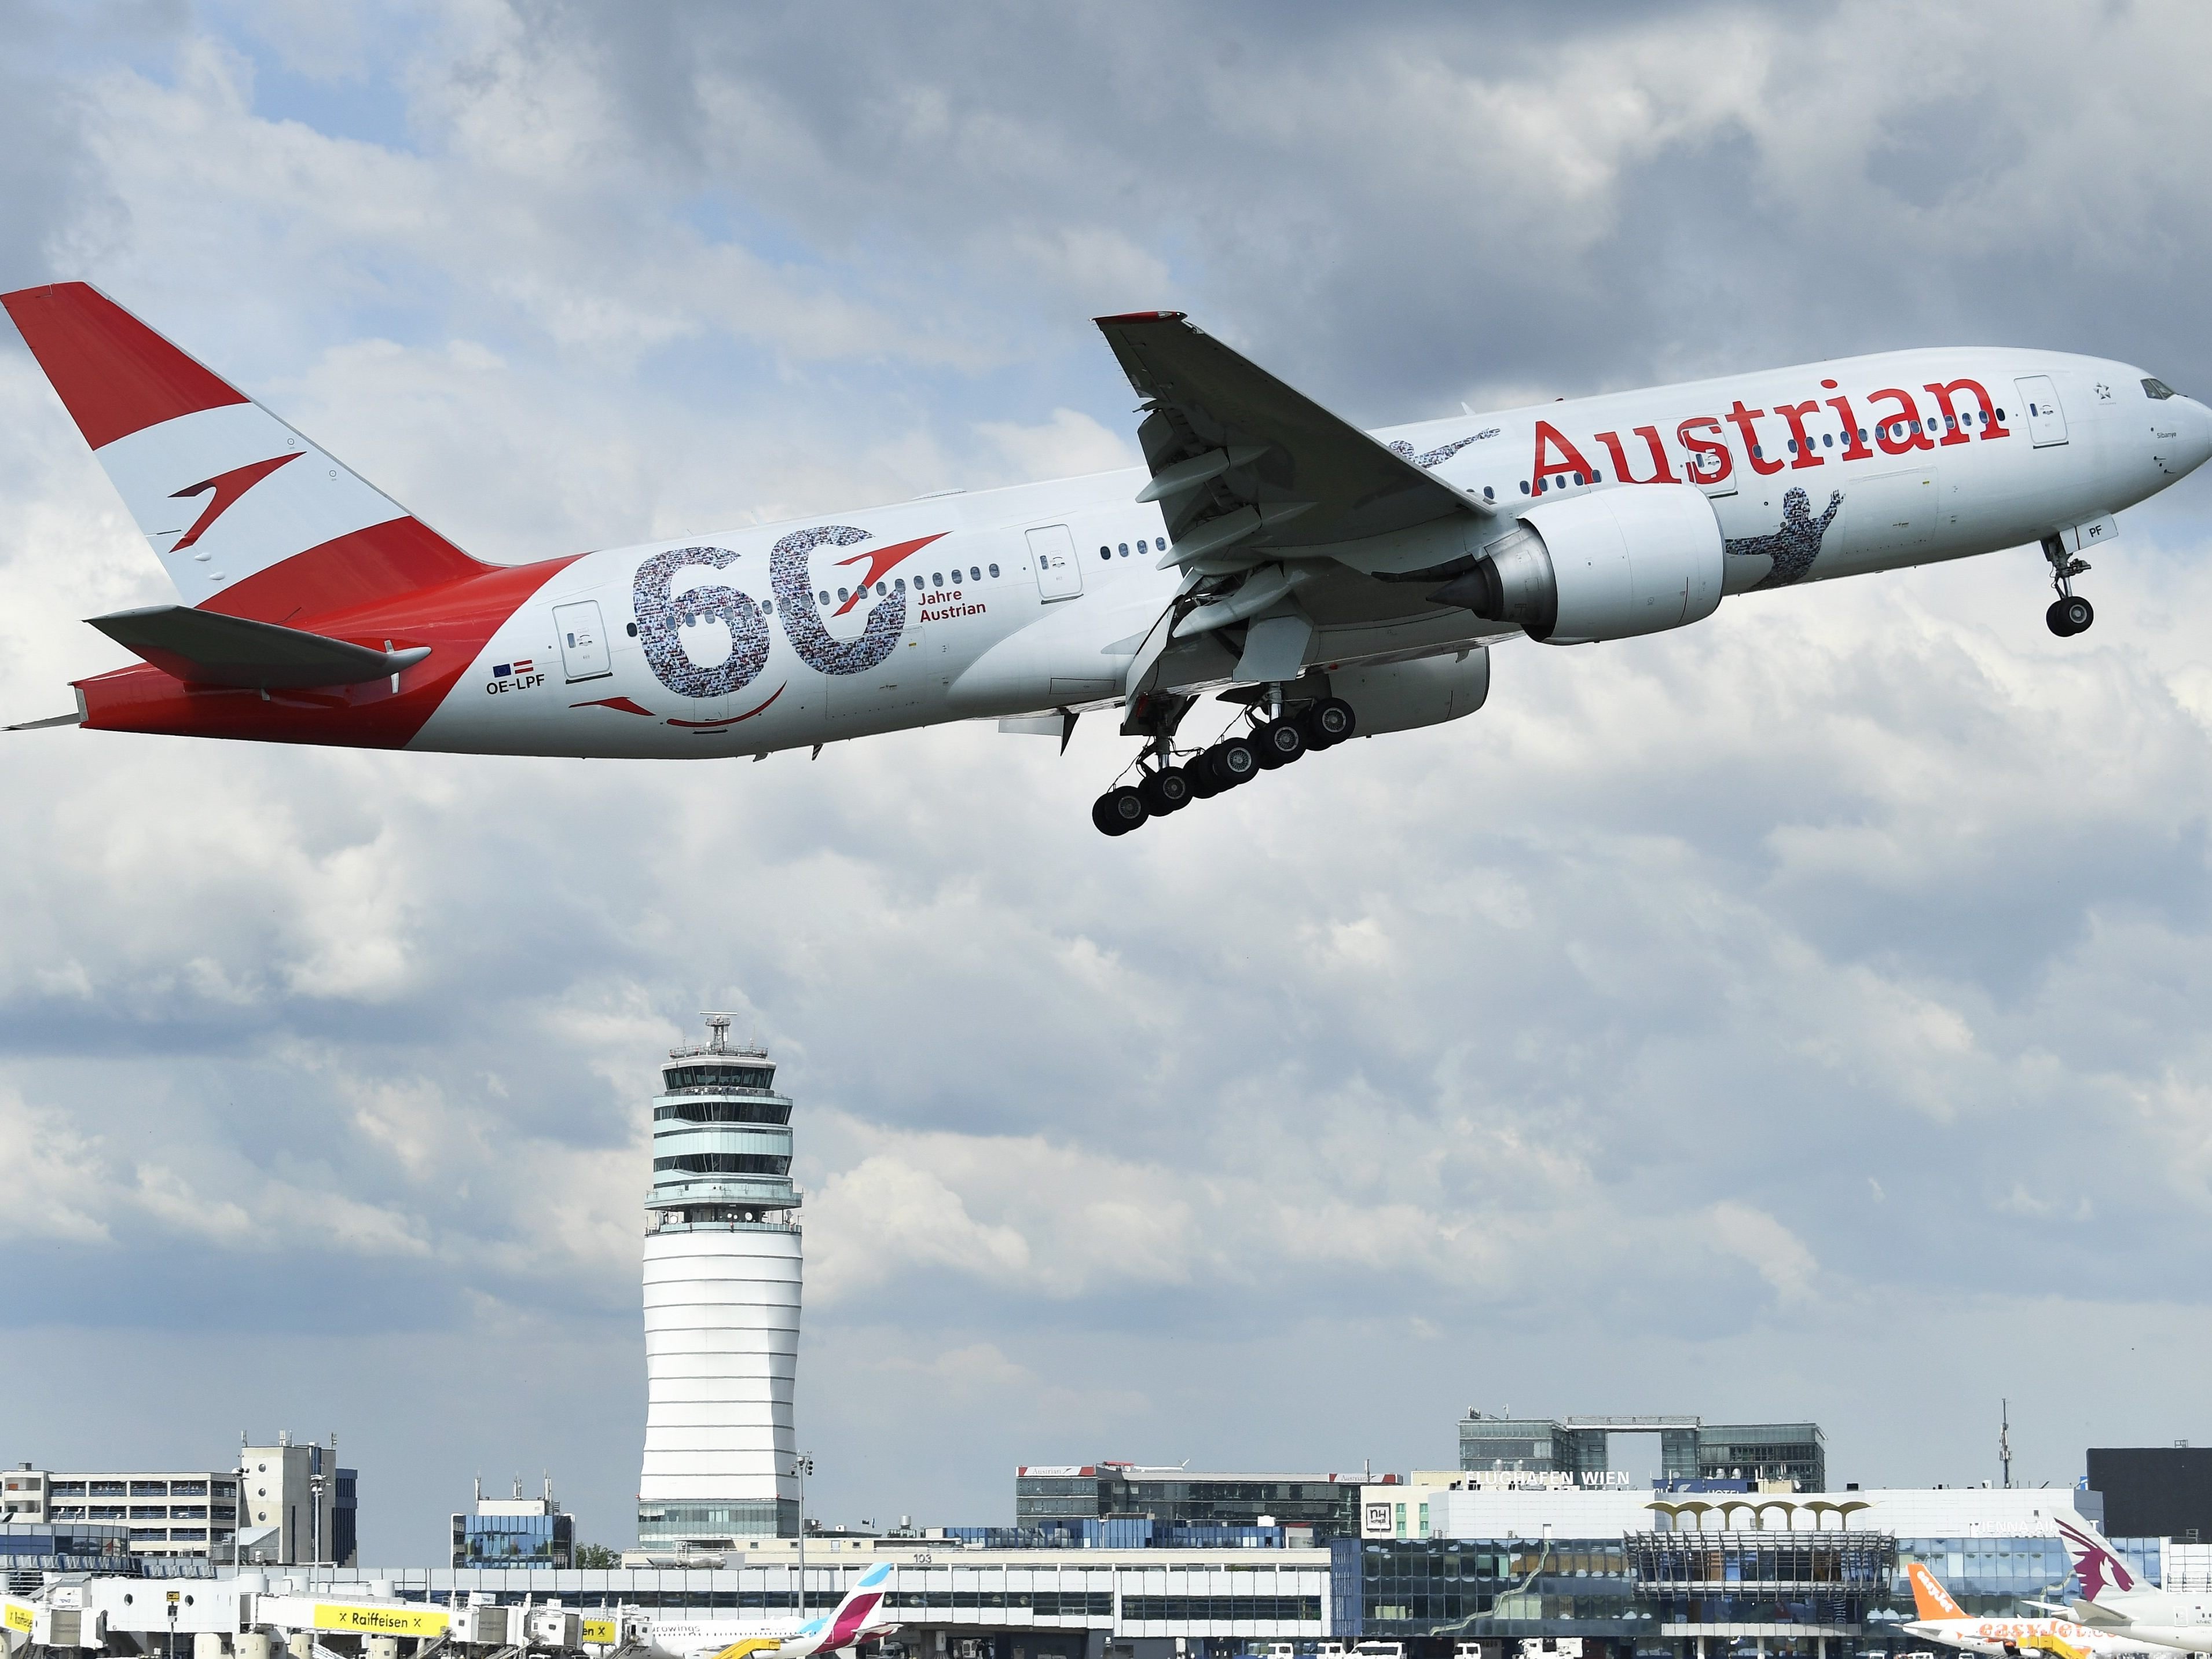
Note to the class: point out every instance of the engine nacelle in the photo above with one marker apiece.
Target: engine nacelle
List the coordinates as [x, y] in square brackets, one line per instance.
[1400, 696]
[1610, 565]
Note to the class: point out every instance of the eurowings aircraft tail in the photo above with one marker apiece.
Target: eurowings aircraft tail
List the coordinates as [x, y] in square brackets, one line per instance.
[1930, 1599]
[248, 516]
[857, 1616]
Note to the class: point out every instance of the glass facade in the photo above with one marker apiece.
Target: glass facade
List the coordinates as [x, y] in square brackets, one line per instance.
[1180, 1498]
[514, 1541]
[672, 1524]
[1474, 1587]
[1646, 1587]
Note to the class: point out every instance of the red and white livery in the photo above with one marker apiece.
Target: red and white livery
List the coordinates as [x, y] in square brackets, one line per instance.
[1325, 581]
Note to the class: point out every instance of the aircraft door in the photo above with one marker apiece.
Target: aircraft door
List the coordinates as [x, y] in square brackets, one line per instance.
[1059, 573]
[2047, 422]
[583, 642]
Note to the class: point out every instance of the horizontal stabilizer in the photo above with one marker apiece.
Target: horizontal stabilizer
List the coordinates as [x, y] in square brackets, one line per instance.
[75, 718]
[206, 648]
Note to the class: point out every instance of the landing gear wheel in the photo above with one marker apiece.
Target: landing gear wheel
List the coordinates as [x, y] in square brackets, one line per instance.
[1279, 743]
[1232, 760]
[1165, 791]
[1330, 722]
[1204, 786]
[1118, 811]
[2069, 614]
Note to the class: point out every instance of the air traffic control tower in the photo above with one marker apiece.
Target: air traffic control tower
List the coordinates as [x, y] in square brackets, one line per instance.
[722, 1271]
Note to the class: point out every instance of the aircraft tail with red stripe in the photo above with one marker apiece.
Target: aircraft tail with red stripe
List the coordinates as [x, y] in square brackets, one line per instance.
[248, 516]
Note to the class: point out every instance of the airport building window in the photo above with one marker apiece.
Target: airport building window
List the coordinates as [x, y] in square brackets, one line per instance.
[678, 1078]
[725, 1163]
[725, 1111]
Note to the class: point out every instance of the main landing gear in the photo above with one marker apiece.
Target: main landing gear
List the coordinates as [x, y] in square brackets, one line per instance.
[1167, 783]
[2069, 613]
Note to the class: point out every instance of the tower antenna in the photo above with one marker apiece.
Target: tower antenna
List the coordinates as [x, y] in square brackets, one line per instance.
[2004, 1439]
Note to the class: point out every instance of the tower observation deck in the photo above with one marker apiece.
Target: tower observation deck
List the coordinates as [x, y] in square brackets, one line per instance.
[722, 1273]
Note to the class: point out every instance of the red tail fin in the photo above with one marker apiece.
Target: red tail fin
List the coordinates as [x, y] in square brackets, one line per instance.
[204, 470]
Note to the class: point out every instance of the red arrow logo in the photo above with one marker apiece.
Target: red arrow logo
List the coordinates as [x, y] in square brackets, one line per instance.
[228, 487]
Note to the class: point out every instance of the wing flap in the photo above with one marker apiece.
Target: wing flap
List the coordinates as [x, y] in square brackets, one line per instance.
[208, 647]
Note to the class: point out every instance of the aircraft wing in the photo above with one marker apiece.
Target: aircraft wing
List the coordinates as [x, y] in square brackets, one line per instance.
[1244, 465]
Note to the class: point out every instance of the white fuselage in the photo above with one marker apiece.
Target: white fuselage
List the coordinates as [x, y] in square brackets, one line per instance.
[985, 631]
[2007, 1638]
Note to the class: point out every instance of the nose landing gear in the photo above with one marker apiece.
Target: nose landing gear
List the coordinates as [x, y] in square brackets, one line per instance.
[2069, 613]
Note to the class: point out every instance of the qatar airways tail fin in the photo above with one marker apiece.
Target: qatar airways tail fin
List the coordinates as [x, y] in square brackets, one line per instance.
[248, 516]
[1930, 1599]
[2104, 1576]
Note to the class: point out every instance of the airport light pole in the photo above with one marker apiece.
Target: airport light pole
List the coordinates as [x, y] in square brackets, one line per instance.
[806, 1468]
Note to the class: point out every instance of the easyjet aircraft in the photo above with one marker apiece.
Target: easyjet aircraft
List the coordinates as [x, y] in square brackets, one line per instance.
[1942, 1619]
[1322, 581]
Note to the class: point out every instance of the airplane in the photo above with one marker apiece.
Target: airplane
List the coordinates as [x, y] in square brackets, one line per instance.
[860, 1618]
[2115, 1601]
[1942, 1619]
[1323, 581]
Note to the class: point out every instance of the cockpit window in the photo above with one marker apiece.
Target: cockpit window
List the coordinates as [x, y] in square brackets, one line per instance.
[2157, 389]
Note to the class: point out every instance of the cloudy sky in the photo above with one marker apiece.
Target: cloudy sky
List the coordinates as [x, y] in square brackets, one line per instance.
[1802, 1015]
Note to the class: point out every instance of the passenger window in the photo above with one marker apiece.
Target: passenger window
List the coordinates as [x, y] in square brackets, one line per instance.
[1524, 486]
[1105, 552]
[1578, 478]
[937, 578]
[824, 598]
[974, 574]
[1827, 441]
[1488, 494]
[1125, 549]
[994, 571]
[633, 630]
[841, 596]
[899, 582]
[881, 590]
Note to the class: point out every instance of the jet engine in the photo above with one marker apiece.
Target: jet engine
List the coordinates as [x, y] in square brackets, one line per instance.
[1606, 566]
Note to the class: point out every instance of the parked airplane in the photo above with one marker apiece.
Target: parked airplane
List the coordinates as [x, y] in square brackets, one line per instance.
[1942, 1619]
[2117, 1603]
[1325, 581]
[861, 1617]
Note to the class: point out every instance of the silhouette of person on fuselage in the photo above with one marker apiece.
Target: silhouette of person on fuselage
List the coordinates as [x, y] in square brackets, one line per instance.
[1793, 546]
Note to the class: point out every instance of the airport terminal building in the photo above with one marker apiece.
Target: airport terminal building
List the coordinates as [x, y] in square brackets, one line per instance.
[1694, 1568]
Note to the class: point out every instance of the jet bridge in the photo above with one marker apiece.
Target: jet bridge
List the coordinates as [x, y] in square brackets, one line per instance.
[252, 1616]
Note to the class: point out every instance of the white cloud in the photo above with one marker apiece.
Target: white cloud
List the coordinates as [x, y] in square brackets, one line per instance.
[1673, 954]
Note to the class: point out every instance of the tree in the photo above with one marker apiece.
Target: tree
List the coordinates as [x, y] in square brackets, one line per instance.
[596, 1555]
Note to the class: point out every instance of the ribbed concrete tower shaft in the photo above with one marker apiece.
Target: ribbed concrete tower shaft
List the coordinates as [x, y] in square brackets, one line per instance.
[722, 1272]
